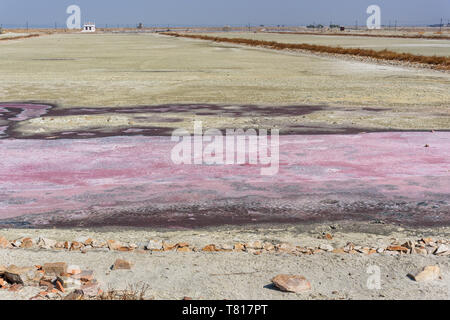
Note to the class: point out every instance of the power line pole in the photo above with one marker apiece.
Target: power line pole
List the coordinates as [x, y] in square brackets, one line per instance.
[440, 26]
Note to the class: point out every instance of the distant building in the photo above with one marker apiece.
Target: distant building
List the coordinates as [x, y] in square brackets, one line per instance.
[88, 27]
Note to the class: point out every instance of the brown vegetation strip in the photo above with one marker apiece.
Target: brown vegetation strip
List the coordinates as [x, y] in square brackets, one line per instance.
[437, 62]
[20, 37]
[402, 36]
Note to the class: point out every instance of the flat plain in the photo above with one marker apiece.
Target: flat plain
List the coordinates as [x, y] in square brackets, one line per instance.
[112, 70]
[85, 121]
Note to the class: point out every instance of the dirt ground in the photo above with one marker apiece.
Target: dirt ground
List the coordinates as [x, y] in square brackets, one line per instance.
[232, 275]
[110, 70]
[107, 71]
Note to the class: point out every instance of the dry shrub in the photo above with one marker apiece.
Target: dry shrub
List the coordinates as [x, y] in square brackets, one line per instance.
[133, 292]
[20, 37]
[420, 35]
[437, 62]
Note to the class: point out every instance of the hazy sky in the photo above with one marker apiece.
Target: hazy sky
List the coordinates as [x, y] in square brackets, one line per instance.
[223, 12]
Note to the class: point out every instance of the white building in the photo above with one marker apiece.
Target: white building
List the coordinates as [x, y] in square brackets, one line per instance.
[89, 27]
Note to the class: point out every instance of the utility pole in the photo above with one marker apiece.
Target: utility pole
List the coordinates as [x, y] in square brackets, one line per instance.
[395, 25]
[27, 25]
[440, 26]
[356, 24]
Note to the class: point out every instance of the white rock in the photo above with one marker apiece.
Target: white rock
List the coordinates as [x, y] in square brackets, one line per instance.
[154, 245]
[227, 247]
[98, 243]
[326, 247]
[442, 250]
[254, 245]
[46, 243]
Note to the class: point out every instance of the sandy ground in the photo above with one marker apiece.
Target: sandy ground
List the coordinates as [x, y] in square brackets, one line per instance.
[128, 70]
[246, 276]
[109, 70]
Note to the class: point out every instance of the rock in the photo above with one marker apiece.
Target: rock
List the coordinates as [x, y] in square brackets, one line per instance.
[268, 246]
[296, 284]
[364, 250]
[59, 285]
[26, 243]
[4, 243]
[16, 243]
[349, 247]
[59, 245]
[182, 245]
[46, 243]
[429, 273]
[121, 264]
[18, 275]
[3, 283]
[168, 247]
[327, 236]
[75, 245]
[285, 247]
[125, 249]
[91, 290]
[88, 242]
[46, 283]
[442, 250]
[113, 245]
[326, 247]
[72, 269]
[338, 250]
[68, 282]
[85, 276]
[98, 244]
[421, 251]
[239, 247]
[397, 248]
[210, 248]
[75, 295]
[408, 244]
[184, 249]
[226, 247]
[254, 245]
[56, 268]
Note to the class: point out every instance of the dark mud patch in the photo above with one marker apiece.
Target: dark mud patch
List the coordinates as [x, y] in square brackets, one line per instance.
[12, 113]
[212, 215]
